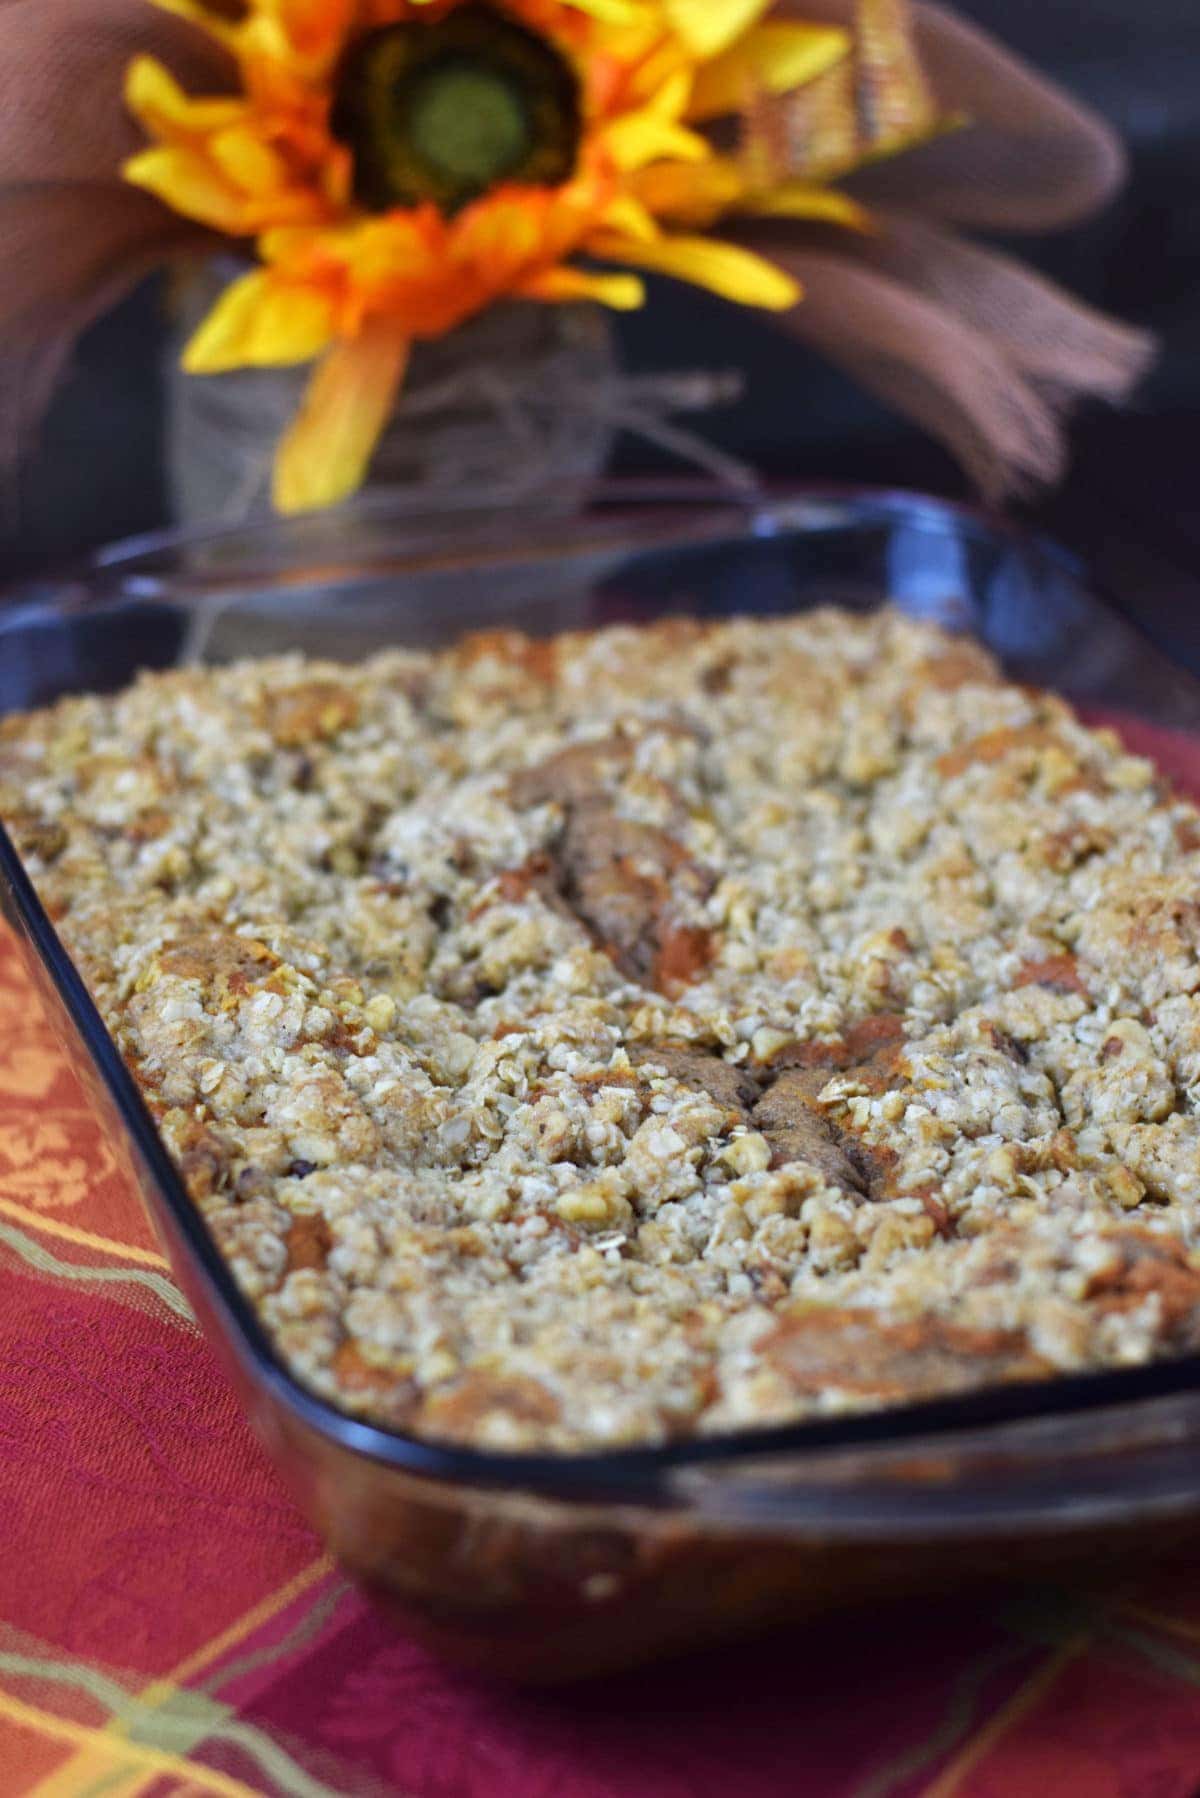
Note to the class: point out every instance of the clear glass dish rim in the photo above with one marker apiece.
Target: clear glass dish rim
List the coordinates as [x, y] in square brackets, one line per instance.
[639, 1475]
[111, 571]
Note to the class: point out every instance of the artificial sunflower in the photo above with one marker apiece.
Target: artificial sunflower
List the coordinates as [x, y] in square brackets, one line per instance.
[401, 164]
[392, 175]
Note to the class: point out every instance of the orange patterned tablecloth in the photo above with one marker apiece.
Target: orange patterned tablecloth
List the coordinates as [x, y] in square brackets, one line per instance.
[169, 1624]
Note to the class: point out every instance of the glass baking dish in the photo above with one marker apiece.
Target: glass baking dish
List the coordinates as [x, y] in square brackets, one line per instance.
[550, 1566]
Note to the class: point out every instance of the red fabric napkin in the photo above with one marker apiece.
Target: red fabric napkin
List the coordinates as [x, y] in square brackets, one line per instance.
[169, 1624]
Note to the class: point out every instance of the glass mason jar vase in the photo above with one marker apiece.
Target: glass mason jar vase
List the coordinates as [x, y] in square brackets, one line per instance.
[519, 396]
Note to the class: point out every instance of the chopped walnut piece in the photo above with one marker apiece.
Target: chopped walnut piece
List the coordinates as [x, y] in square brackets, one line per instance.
[309, 1241]
[298, 717]
[1058, 972]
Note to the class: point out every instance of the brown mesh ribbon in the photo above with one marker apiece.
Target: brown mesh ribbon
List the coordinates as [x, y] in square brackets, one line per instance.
[73, 239]
[1030, 157]
[874, 102]
[996, 396]
[980, 351]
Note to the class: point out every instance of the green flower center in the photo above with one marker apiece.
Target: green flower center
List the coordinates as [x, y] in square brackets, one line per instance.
[445, 111]
[468, 124]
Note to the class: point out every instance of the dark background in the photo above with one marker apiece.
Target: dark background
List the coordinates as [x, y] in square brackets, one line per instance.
[1130, 505]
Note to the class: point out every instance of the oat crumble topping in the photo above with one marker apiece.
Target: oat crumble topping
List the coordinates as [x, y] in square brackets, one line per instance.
[650, 1032]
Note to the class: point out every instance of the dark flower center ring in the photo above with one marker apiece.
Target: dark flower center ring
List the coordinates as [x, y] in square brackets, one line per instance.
[445, 111]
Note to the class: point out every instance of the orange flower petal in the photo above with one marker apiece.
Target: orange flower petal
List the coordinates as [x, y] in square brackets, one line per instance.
[307, 247]
[501, 234]
[325, 454]
[383, 256]
[317, 28]
[275, 76]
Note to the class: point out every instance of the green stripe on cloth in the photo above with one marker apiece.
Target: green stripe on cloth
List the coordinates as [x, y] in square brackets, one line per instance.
[41, 1258]
[179, 1725]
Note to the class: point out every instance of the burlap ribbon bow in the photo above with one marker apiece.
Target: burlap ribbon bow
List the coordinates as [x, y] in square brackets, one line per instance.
[982, 352]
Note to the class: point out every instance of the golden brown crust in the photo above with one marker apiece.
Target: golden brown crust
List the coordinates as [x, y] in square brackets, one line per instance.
[857, 1352]
[652, 1032]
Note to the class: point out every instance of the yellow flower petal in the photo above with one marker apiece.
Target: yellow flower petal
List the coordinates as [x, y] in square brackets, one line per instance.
[159, 104]
[804, 200]
[261, 322]
[326, 453]
[609, 12]
[710, 26]
[623, 293]
[302, 246]
[240, 153]
[654, 131]
[639, 138]
[663, 75]
[671, 97]
[690, 193]
[189, 183]
[724, 268]
[627, 215]
[774, 58]
[701, 193]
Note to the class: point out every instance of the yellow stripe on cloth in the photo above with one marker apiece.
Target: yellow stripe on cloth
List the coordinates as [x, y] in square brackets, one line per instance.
[180, 1729]
[89, 1767]
[1187, 1627]
[154, 1761]
[950, 1780]
[84, 1239]
[261, 1613]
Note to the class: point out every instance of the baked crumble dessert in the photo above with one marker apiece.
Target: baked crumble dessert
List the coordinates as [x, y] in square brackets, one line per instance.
[652, 1032]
